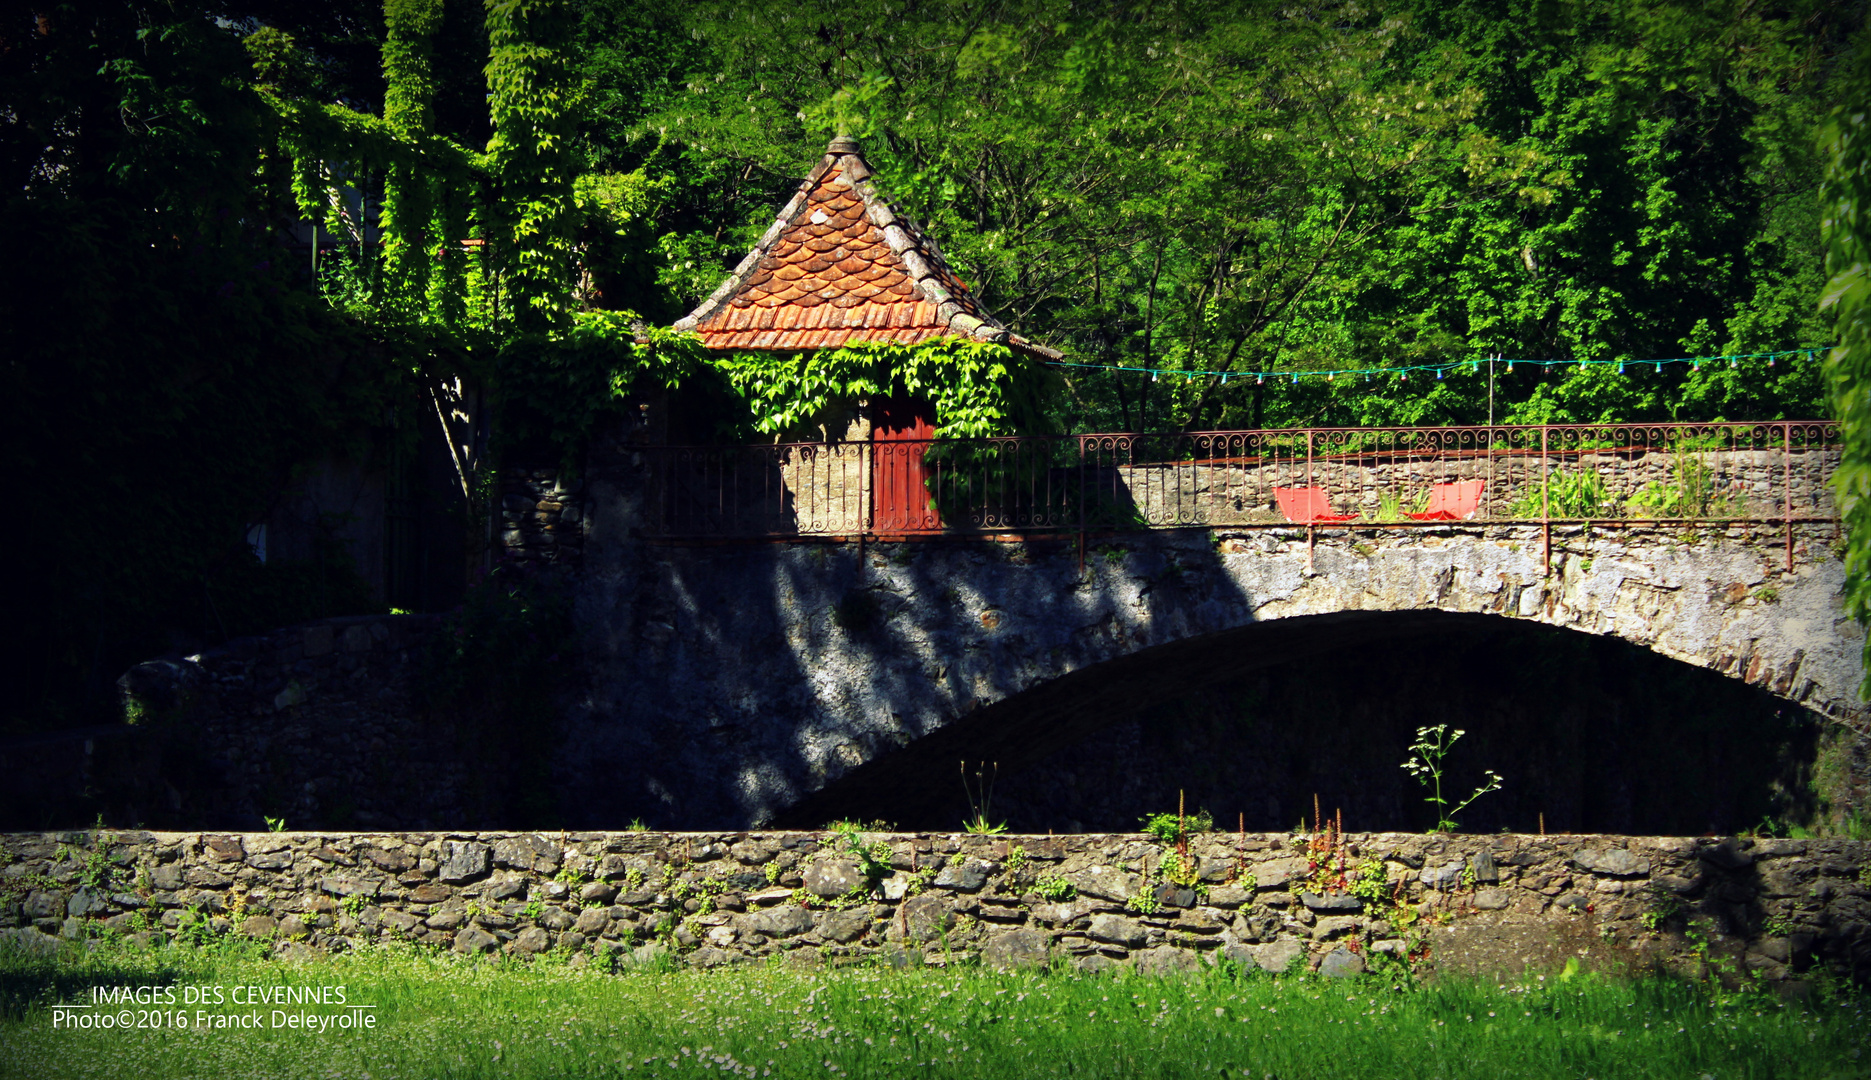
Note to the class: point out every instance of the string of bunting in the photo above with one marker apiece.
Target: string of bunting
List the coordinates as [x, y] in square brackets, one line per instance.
[1442, 370]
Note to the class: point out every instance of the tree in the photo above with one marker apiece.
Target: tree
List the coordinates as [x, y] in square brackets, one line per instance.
[165, 370]
[1201, 188]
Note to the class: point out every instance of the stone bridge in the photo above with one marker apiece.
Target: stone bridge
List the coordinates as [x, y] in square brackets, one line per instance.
[746, 684]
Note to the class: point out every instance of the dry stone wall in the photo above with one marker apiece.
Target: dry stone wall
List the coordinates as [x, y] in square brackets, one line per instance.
[1775, 910]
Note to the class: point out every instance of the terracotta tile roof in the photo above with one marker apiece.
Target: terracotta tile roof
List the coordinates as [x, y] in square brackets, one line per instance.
[839, 265]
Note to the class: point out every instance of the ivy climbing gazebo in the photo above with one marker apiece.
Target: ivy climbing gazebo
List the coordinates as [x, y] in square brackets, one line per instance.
[838, 270]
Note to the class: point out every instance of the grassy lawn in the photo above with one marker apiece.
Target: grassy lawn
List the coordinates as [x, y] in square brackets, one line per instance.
[440, 1016]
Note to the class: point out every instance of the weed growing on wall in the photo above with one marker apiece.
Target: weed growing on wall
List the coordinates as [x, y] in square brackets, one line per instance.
[873, 858]
[1177, 828]
[980, 798]
[1693, 493]
[1425, 763]
[1055, 887]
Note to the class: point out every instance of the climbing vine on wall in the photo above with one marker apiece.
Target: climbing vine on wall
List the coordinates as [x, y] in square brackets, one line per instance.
[430, 184]
[532, 84]
[409, 192]
[977, 388]
[554, 387]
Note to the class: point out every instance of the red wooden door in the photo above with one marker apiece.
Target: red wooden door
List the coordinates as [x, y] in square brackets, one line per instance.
[900, 497]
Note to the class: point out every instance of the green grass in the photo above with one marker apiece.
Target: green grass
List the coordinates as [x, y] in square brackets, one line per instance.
[446, 1017]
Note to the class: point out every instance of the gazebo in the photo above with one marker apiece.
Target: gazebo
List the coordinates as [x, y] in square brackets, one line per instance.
[840, 265]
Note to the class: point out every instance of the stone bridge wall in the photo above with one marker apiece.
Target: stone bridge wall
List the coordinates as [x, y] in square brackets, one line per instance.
[754, 684]
[747, 685]
[1773, 910]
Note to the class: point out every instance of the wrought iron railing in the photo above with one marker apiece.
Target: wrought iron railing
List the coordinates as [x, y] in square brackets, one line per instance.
[1772, 472]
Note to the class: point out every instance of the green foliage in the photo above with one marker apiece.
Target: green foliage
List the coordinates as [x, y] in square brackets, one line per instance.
[1199, 186]
[977, 388]
[167, 374]
[1372, 885]
[1218, 188]
[988, 1024]
[1567, 493]
[1845, 224]
[1181, 869]
[1391, 505]
[532, 86]
[94, 868]
[411, 230]
[1692, 493]
[873, 858]
[554, 388]
[980, 796]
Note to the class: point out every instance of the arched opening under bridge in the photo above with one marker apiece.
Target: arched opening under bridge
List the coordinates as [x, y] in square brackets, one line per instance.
[1591, 734]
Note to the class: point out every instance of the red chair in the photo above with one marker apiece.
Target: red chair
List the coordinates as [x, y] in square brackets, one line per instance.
[1304, 506]
[1452, 502]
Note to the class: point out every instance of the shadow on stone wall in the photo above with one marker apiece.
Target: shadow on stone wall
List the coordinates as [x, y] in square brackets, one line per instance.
[728, 683]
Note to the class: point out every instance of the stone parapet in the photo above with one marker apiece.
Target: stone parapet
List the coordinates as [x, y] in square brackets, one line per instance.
[1733, 909]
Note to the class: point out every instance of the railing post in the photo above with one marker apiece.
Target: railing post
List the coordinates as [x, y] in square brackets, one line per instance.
[1081, 507]
[1786, 480]
[1310, 527]
[1546, 505]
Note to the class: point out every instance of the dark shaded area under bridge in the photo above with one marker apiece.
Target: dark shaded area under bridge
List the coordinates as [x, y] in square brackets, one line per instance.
[1592, 734]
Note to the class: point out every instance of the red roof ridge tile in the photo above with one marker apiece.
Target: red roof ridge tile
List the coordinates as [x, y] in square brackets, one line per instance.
[847, 287]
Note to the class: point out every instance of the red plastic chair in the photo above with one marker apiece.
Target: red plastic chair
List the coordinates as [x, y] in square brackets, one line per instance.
[1303, 506]
[1452, 502]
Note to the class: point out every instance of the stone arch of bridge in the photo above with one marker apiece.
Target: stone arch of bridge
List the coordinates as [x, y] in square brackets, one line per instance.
[1039, 730]
[738, 686]
[1175, 615]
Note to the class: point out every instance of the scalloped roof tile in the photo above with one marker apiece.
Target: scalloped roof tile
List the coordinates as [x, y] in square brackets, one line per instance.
[840, 265]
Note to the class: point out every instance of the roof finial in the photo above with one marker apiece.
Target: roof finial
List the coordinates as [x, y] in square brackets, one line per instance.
[843, 144]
